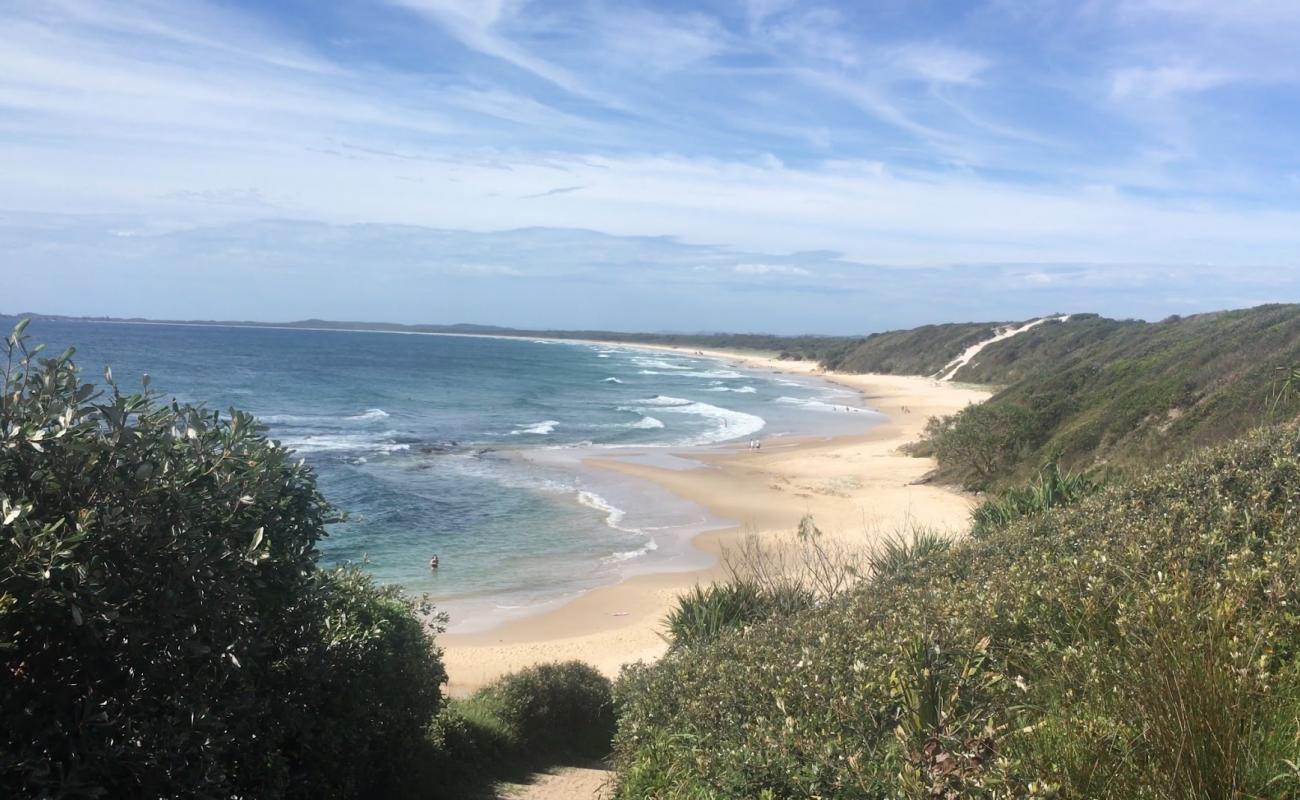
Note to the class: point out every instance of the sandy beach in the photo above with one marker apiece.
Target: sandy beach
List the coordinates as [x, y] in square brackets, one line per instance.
[857, 489]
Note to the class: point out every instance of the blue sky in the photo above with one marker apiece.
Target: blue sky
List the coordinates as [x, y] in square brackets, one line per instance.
[750, 164]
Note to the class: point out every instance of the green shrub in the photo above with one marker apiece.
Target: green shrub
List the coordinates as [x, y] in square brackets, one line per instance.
[1119, 394]
[369, 685]
[981, 443]
[1052, 489]
[523, 720]
[164, 629]
[706, 612]
[903, 552]
[563, 709]
[1141, 643]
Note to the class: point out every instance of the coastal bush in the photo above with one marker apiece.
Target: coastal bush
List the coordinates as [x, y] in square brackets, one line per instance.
[706, 612]
[535, 716]
[559, 709]
[805, 565]
[910, 550]
[982, 442]
[367, 688]
[1141, 643]
[1052, 489]
[918, 351]
[164, 628]
[1120, 394]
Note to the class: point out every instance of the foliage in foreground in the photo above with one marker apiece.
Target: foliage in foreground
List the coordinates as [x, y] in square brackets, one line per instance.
[1140, 644]
[706, 612]
[164, 627]
[1051, 489]
[539, 714]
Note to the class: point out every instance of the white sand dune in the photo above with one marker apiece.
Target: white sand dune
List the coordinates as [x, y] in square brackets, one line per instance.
[950, 369]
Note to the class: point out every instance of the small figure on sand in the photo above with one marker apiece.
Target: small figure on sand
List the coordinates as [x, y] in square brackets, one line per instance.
[755, 444]
[433, 562]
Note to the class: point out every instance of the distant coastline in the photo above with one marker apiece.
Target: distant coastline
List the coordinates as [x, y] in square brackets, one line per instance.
[794, 347]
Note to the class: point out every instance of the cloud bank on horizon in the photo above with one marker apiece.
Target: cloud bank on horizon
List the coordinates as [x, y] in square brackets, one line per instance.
[756, 164]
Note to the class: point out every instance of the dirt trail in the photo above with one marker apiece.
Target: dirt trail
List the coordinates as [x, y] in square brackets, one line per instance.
[563, 783]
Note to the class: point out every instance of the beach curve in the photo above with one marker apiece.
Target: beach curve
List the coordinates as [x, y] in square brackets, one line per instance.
[858, 488]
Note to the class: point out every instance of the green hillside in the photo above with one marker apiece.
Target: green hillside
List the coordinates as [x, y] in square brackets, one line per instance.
[1141, 644]
[919, 351]
[1101, 392]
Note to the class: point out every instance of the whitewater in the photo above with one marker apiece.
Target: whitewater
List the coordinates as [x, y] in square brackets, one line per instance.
[473, 448]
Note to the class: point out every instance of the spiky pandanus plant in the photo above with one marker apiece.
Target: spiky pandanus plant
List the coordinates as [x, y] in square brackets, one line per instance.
[1286, 387]
[1051, 489]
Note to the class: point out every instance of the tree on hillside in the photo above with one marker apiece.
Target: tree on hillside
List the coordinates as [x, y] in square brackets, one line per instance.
[981, 441]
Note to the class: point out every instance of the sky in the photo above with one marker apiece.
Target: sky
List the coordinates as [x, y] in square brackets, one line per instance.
[759, 165]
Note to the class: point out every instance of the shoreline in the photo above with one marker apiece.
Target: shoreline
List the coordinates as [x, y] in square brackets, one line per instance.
[858, 488]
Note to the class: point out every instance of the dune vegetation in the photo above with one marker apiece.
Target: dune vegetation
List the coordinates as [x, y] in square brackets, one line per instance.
[1096, 393]
[1121, 624]
[1137, 643]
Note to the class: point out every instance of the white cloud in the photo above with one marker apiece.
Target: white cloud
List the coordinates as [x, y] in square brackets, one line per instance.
[185, 113]
[550, 277]
[475, 24]
[1145, 83]
[942, 64]
[769, 269]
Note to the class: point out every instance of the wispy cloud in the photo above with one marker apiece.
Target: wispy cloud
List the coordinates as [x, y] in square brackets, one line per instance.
[475, 23]
[553, 192]
[1116, 131]
[567, 278]
[1147, 83]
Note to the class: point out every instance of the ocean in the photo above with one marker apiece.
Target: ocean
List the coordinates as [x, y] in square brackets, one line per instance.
[472, 447]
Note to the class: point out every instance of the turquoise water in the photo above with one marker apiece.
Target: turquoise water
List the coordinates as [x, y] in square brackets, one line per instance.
[471, 447]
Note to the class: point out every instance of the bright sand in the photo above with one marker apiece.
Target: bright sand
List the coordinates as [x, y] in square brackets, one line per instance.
[857, 489]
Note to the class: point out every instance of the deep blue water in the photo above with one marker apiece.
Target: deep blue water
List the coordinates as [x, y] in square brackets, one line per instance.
[470, 447]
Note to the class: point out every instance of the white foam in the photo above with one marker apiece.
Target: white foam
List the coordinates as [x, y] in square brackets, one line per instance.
[369, 415]
[613, 514]
[661, 400]
[659, 363]
[612, 380]
[731, 424]
[628, 555]
[717, 373]
[539, 429]
[814, 405]
[740, 390]
[602, 355]
[614, 517]
[647, 423]
[336, 443]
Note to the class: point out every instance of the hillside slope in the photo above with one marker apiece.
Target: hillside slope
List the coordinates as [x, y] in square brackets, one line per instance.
[1118, 394]
[1140, 644]
[919, 351]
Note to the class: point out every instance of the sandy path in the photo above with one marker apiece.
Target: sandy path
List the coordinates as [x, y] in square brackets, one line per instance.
[857, 489]
[564, 783]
